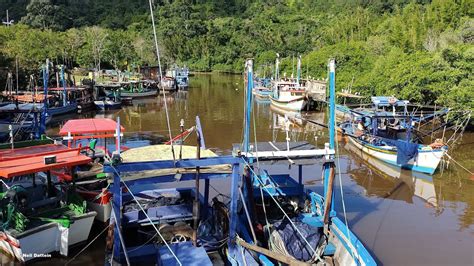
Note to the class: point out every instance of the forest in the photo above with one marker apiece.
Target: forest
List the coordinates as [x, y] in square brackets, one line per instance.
[418, 50]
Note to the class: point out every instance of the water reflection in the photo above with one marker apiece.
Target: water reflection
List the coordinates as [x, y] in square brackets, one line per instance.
[385, 181]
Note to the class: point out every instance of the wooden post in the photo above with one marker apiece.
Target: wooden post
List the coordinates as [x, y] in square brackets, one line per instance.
[328, 196]
[276, 256]
[196, 197]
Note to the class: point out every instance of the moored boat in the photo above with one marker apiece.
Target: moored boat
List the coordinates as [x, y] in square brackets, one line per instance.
[137, 89]
[108, 96]
[287, 95]
[41, 213]
[425, 158]
[92, 184]
[281, 221]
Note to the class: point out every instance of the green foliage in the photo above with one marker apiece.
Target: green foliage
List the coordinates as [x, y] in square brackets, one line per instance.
[420, 50]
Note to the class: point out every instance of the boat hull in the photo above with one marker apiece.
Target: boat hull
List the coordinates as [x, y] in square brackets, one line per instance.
[55, 111]
[295, 105]
[138, 94]
[426, 161]
[38, 242]
[107, 105]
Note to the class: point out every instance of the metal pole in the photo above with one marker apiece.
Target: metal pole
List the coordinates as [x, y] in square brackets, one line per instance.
[249, 65]
[332, 104]
[63, 81]
[196, 197]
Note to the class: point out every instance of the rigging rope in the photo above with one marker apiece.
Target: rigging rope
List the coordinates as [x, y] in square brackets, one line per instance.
[90, 243]
[162, 88]
[284, 213]
[146, 215]
[342, 194]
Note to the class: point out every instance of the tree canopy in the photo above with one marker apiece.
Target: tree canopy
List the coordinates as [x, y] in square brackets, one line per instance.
[416, 49]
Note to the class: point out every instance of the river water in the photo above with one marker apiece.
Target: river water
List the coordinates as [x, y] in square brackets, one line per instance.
[402, 218]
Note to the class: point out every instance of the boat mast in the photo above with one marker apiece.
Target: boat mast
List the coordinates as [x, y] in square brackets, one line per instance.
[248, 105]
[64, 86]
[45, 100]
[277, 63]
[298, 70]
[332, 102]
[329, 167]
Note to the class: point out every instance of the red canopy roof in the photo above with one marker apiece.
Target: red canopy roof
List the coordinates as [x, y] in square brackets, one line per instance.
[89, 126]
[9, 154]
[22, 163]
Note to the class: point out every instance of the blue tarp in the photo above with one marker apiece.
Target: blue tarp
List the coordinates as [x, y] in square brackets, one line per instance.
[405, 150]
[294, 243]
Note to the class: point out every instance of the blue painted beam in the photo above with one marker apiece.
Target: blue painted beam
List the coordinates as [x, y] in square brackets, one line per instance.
[233, 215]
[172, 178]
[169, 164]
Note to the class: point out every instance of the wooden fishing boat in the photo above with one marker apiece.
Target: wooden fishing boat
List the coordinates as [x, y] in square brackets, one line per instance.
[288, 95]
[24, 120]
[168, 83]
[262, 94]
[426, 160]
[280, 220]
[92, 184]
[386, 133]
[40, 214]
[183, 214]
[181, 74]
[108, 96]
[137, 89]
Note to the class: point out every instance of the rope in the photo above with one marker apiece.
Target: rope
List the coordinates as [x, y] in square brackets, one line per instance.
[456, 162]
[146, 215]
[162, 88]
[342, 195]
[284, 213]
[90, 243]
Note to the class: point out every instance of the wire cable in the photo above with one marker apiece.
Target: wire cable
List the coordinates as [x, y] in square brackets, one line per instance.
[146, 215]
[162, 88]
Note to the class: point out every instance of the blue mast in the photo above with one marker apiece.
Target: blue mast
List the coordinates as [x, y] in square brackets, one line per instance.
[63, 81]
[45, 100]
[248, 105]
[332, 102]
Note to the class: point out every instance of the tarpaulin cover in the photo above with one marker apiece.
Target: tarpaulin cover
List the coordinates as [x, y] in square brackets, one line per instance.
[405, 150]
[294, 243]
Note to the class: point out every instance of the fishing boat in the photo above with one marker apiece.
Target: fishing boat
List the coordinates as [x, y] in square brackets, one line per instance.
[168, 83]
[91, 183]
[108, 96]
[185, 219]
[22, 120]
[280, 219]
[388, 134]
[261, 90]
[182, 77]
[288, 95]
[41, 213]
[400, 153]
[189, 226]
[137, 89]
